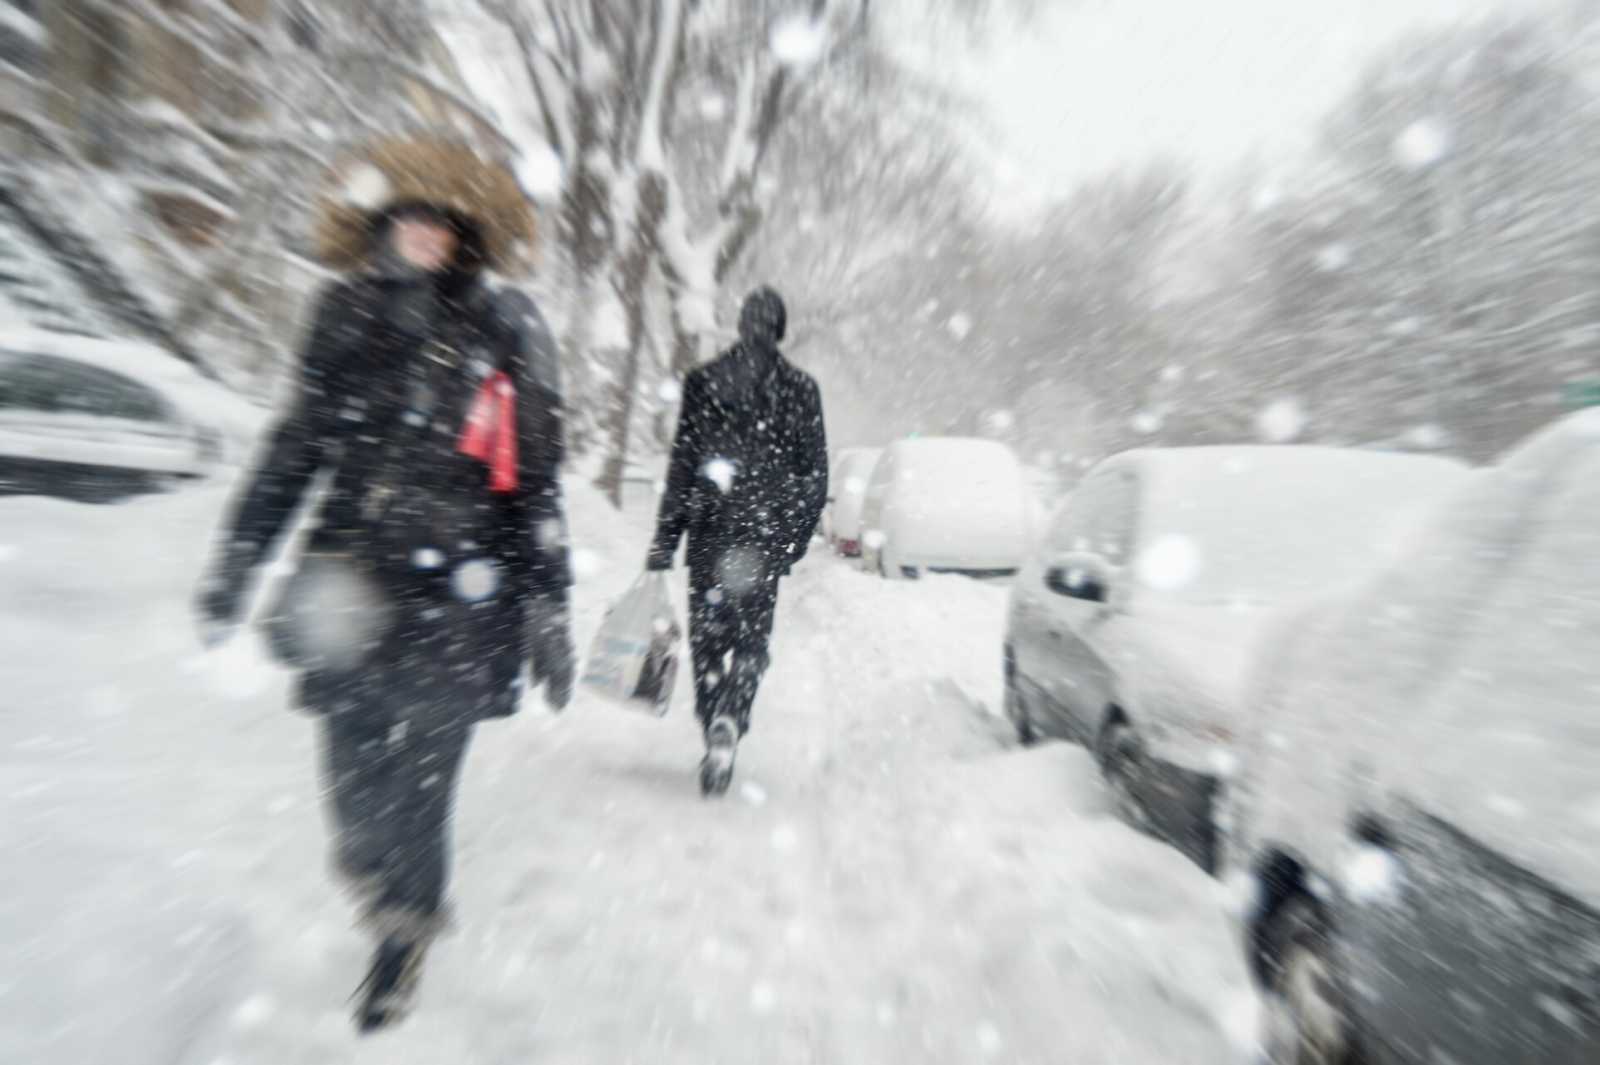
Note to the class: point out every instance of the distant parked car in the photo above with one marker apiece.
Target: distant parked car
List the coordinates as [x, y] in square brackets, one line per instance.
[847, 485]
[97, 420]
[945, 505]
[1418, 810]
[1133, 626]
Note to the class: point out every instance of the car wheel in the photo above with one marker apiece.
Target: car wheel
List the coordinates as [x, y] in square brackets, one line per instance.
[1122, 763]
[1017, 713]
[1314, 1025]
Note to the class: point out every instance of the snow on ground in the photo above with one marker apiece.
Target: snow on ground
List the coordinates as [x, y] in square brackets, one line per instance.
[889, 881]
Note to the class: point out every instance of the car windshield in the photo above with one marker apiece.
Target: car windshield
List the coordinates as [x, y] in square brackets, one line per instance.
[1262, 532]
[46, 384]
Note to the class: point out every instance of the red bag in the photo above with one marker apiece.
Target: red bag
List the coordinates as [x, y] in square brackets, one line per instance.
[490, 432]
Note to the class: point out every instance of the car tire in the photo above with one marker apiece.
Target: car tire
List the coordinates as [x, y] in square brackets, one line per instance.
[1307, 981]
[1121, 754]
[1017, 714]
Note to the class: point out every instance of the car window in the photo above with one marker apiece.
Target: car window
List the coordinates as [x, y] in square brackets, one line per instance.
[1098, 518]
[61, 386]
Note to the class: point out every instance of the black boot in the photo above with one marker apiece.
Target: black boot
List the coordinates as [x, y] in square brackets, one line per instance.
[387, 992]
[716, 768]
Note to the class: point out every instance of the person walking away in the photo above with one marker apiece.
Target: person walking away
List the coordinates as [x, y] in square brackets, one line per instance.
[436, 567]
[746, 483]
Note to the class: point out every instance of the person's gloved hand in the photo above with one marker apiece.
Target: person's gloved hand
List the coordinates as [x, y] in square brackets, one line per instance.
[553, 661]
[220, 601]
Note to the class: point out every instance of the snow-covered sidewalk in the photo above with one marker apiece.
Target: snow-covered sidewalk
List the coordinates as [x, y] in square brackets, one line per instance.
[890, 880]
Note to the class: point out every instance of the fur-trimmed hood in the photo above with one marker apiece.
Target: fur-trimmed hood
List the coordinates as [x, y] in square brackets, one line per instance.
[445, 174]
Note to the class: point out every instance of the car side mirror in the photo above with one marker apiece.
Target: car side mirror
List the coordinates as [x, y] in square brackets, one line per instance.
[1084, 577]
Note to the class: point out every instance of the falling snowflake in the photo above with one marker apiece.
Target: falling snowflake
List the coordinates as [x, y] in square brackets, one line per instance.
[1266, 198]
[1422, 144]
[1147, 422]
[719, 471]
[959, 325]
[1427, 437]
[586, 563]
[797, 41]
[741, 570]
[1280, 421]
[999, 421]
[366, 188]
[1169, 563]
[1505, 805]
[254, 1011]
[874, 539]
[763, 998]
[1224, 763]
[550, 532]
[989, 1042]
[785, 839]
[427, 558]
[1172, 374]
[1333, 258]
[669, 391]
[713, 107]
[1371, 875]
[475, 580]
[7, 552]
[540, 173]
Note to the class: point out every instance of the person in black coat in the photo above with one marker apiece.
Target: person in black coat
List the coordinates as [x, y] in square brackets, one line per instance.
[428, 405]
[747, 482]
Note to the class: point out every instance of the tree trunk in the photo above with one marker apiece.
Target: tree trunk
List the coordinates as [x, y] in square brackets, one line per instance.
[633, 271]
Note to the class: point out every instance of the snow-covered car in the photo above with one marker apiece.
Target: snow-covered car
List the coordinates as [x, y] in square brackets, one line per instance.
[945, 505]
[852, 471]
[1417, 815]
[1132, 628]
[98, 419]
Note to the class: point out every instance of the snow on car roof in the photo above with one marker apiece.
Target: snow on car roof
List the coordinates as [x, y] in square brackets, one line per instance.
[1180, 472]
[137, 359]
[971, 449]
[1266, 524]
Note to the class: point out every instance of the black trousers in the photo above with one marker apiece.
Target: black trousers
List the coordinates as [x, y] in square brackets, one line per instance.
[391, 785]
[395, 732]
[730, 624]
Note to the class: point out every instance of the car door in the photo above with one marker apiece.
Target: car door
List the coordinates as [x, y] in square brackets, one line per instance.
[1469, 958]
[1027, 626]
[1086, 558]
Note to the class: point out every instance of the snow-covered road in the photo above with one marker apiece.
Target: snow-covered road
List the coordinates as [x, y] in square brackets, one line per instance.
[890, 881]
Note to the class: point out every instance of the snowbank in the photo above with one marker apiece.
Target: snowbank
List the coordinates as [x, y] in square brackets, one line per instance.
[891, 880]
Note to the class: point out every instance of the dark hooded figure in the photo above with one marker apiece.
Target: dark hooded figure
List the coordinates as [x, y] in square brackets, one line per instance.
[428, 413]
[747, 483]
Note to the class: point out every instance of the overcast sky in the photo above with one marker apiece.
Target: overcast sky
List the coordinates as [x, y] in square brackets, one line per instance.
[1097, 83]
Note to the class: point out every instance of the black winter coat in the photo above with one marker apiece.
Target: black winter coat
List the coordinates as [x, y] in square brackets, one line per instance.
[749, 464]
[382, 397]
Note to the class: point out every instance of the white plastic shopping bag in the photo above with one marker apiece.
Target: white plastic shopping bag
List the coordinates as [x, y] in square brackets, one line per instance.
[634, 658]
